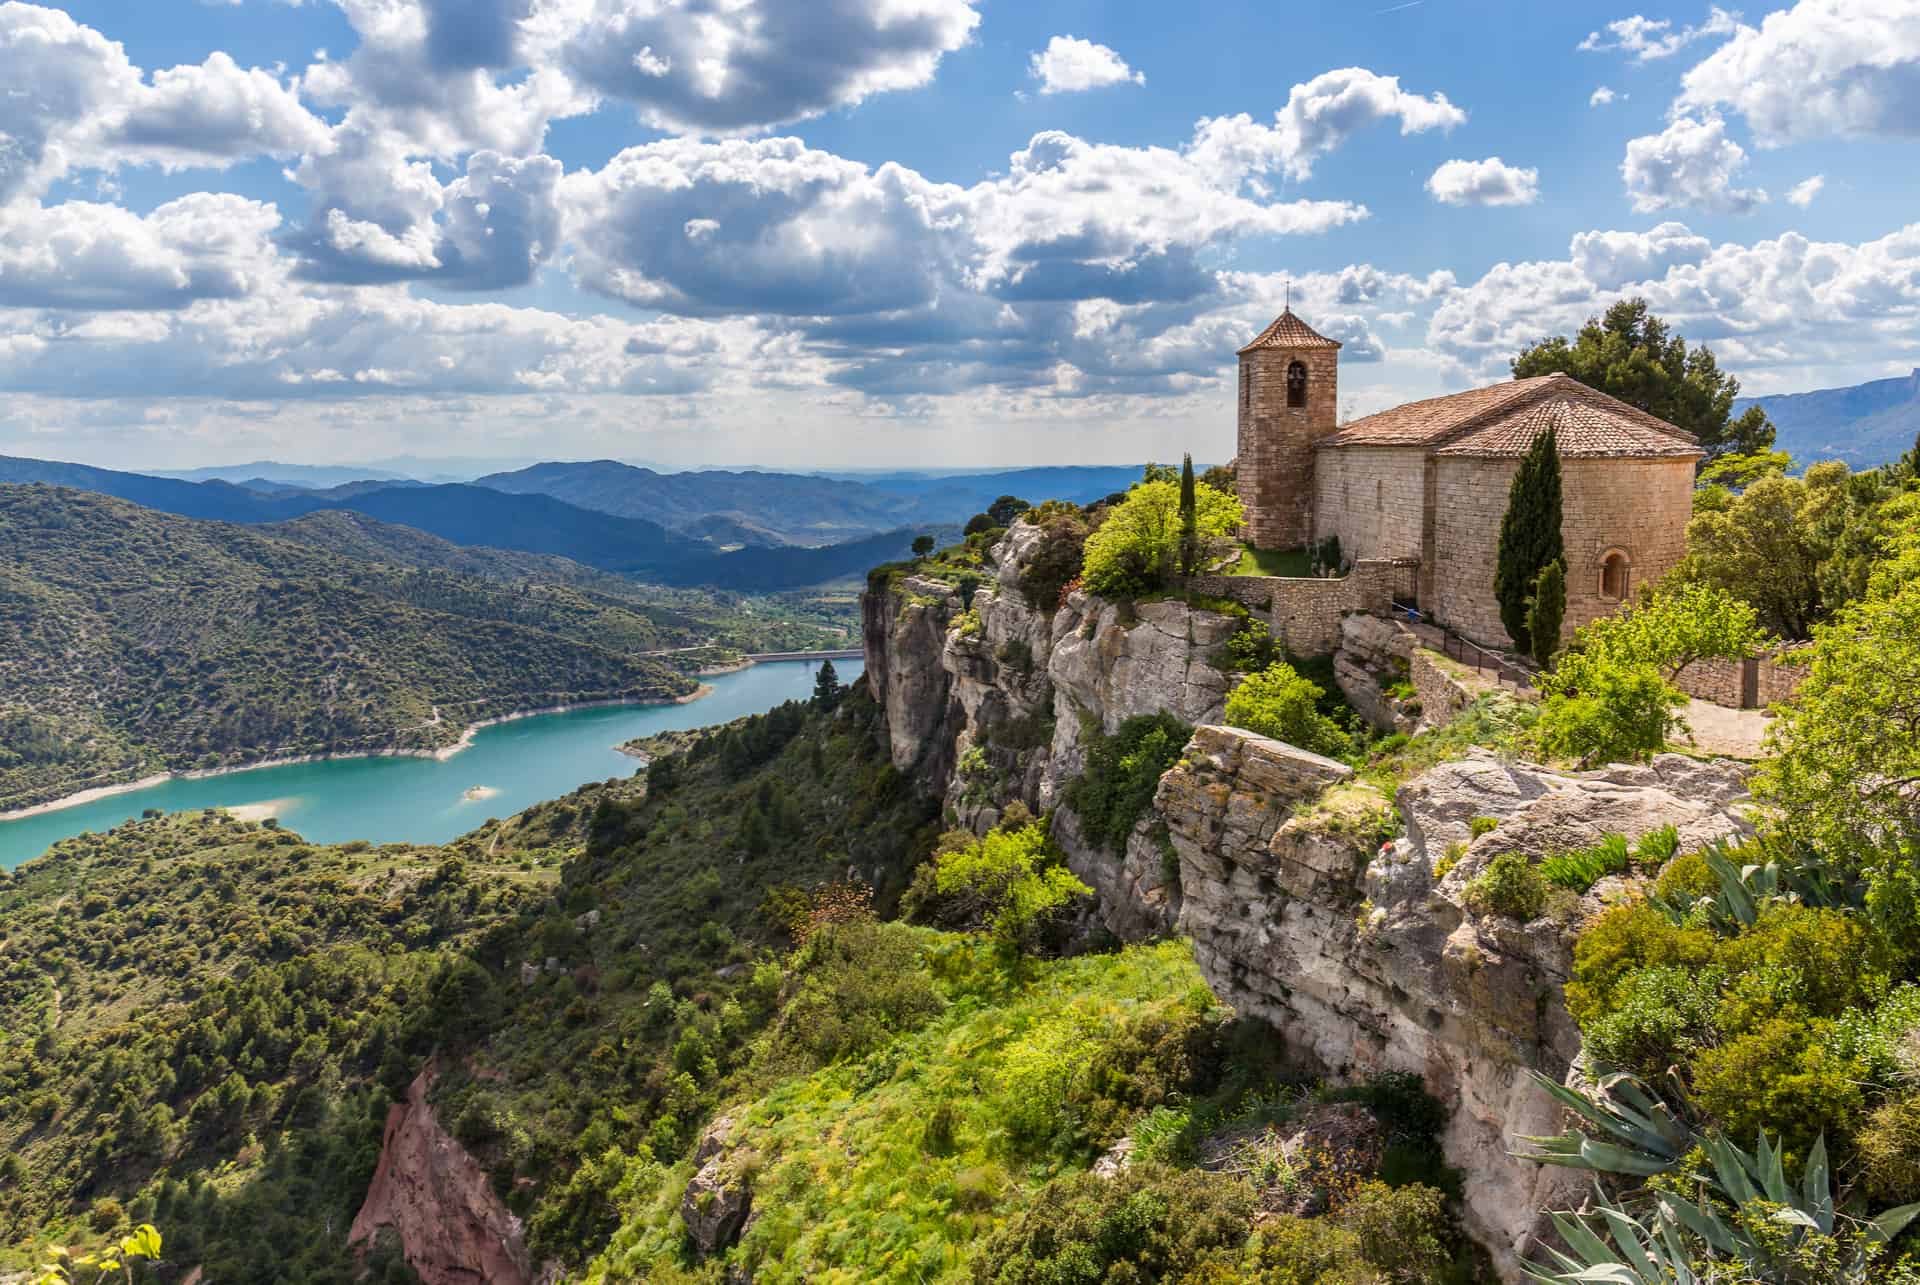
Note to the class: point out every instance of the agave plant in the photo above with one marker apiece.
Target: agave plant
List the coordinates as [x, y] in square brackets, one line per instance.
[1748, 887]
[1639, 1134]
[1747, 1220]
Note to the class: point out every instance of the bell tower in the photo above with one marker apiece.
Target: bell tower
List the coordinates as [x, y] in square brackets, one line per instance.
[1288, 399]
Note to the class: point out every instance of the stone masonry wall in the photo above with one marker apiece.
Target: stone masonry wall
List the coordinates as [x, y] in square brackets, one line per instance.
[1371, 498]
[1306, 611]
[1275, 460]
[1639, 507]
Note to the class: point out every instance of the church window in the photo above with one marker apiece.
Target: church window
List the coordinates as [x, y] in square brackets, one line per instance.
[1296, 385]
[1613, 575]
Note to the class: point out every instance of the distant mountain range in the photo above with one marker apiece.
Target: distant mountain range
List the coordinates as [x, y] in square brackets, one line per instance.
[736, 530]
[1865, 425]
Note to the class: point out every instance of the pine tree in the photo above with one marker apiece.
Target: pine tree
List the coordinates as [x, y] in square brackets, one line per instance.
[1189, 520]
[1529, 535]
[1547, 610]
[826, 688]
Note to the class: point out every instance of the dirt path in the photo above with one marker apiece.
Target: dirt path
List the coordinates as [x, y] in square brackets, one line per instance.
[1737, 733]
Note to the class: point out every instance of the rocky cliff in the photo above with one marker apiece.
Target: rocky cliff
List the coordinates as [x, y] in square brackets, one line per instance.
[1312, 900]
[434, 1196]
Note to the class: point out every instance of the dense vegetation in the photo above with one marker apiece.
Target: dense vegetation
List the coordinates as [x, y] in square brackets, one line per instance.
[202, 1022]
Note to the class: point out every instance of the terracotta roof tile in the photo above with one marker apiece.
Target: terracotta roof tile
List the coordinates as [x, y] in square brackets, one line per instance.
[1504, 419]
[1288, 331]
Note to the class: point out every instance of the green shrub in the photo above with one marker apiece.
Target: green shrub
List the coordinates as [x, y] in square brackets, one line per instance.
[1056, 561]
[1478, 826]
[1619, 714]
[1403, 1230]
[1279, 703]
[1017, 879]
[1252, 647]
[1508, 886]
[1122, 773]
[1656, 847]
[1656, 1018]
[1685, 878]
[1621, 939]
[1149, 1223]
[1784, 1077]
[857, 985]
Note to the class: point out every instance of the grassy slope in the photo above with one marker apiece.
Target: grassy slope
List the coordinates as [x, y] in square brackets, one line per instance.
[131, 640]
[846, 1184]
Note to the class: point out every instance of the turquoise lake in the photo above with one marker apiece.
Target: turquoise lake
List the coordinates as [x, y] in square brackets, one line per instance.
[418, 800]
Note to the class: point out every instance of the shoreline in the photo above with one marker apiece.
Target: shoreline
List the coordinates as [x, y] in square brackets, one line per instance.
[98, 792]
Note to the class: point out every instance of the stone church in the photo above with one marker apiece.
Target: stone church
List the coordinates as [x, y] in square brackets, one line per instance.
[1427, 482]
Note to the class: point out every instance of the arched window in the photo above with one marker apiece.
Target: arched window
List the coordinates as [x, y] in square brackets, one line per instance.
[1296, 384]
[1615, 572]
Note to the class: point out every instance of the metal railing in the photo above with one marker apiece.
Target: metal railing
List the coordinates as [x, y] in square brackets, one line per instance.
[1454, 647]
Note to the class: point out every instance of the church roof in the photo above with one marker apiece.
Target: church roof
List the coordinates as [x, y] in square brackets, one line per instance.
[1288, 331]
[1504, 419]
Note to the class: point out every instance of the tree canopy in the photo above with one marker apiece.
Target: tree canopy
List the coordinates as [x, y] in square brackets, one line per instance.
[1631, 354]
[1135, 548]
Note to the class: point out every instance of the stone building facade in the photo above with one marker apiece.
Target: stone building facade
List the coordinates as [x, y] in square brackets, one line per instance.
[1427, 482]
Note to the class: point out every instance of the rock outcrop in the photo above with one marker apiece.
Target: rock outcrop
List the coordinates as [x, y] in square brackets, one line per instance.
[452, 1228]
[718, 1199]
[1349, 949]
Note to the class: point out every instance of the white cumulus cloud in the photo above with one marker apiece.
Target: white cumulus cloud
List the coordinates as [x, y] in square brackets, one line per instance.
[1070, 65]
[1601, 97]
[1820, 69]
[1488, 182]
[1319, 116]
[1690, 163]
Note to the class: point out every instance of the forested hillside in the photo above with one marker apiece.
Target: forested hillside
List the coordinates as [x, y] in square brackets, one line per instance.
[131, 641]
[202, 1020]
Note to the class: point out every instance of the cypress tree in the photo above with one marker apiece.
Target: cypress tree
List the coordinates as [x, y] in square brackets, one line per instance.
[1189, 520]
[1529, 535]
[1547, 610]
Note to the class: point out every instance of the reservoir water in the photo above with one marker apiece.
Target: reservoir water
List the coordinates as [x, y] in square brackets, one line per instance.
[419, 800]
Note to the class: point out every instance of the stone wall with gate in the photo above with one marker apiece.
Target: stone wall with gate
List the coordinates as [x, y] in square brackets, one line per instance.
[1753, 683]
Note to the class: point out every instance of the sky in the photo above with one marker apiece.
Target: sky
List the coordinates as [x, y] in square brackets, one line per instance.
[892, 233]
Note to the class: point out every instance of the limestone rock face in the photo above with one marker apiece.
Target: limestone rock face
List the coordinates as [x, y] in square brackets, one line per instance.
[1347, 948]
[718, 1199]
[904, 632]
[435, 1197]
[1541, 811]
[1112, 669]
[1373, 655]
